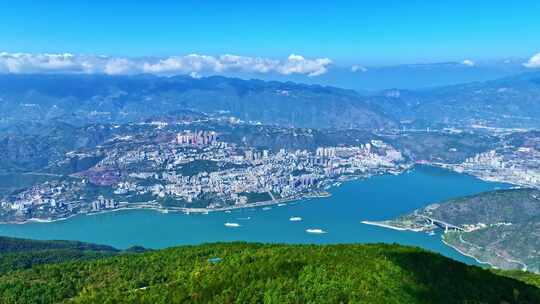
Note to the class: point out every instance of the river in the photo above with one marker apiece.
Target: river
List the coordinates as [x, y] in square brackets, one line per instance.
[340, 216]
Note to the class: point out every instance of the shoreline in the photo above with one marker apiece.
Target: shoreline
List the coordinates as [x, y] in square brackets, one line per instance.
[340, 179]
[524, 268]
[378, 224]
[321, 193]
[468, 255]
[476, 259]
[388, 226]
[491, 179]
[140, 206]
[40, 221]
[187, 211]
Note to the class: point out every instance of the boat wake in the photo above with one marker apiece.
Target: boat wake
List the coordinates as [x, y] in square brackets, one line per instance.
[315, 231]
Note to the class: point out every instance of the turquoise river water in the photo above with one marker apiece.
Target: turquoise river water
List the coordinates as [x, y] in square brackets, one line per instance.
[340, 216]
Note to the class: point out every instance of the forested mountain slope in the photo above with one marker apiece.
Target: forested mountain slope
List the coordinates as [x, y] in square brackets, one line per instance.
[256, 273]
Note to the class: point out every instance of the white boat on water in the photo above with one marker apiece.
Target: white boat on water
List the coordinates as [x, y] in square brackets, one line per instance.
[266, 208]
[228, 211]
[315, 231]
[281, 204]
[295, 219]
[233, 225]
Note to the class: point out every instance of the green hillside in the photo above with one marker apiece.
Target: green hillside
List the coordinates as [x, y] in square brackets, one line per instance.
[501, 227]
[257, 273]
[21, 254]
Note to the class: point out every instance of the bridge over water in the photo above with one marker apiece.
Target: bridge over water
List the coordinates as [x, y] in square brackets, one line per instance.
[442, 224]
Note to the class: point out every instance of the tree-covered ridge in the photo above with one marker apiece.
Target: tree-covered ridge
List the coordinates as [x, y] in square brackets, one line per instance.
[22, 254]
[508, 206]
[13, 245]
[257, 273]
[501, 228]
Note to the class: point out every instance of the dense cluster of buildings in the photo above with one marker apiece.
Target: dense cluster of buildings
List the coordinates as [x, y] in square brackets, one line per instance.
[197, 169]
[196, 138]
[225, 174]
[519, 166]
[47, 200]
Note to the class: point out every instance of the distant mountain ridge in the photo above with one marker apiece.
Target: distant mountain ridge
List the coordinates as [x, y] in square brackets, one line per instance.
[83, 99]
[507, 102]
[97, 98]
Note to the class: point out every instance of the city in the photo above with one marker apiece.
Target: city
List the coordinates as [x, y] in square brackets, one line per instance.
[165, 152]
[194, 171]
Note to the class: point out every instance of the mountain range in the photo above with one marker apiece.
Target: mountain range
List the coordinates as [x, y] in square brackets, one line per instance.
[81, 99]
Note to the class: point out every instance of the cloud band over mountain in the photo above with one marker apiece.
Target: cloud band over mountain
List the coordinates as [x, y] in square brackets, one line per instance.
[193, 64]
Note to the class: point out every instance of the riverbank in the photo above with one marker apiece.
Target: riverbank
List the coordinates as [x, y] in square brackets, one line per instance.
[517, 182]
[38, 220]
[388, 226]
[382, 225]
[331, 183]
[378, 197]
[460, 251]
[159, 208]
[523, 267]
[467, 254]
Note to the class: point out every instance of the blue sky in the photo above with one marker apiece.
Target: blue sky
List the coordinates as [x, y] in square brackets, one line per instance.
[367, 32]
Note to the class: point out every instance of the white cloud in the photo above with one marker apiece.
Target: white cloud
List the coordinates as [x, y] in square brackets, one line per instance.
[120, 66]
[358, 68]
[193, 64]
[181, 65]
[468, 62]
[28, 63]
[300, 65]
[534, 62]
